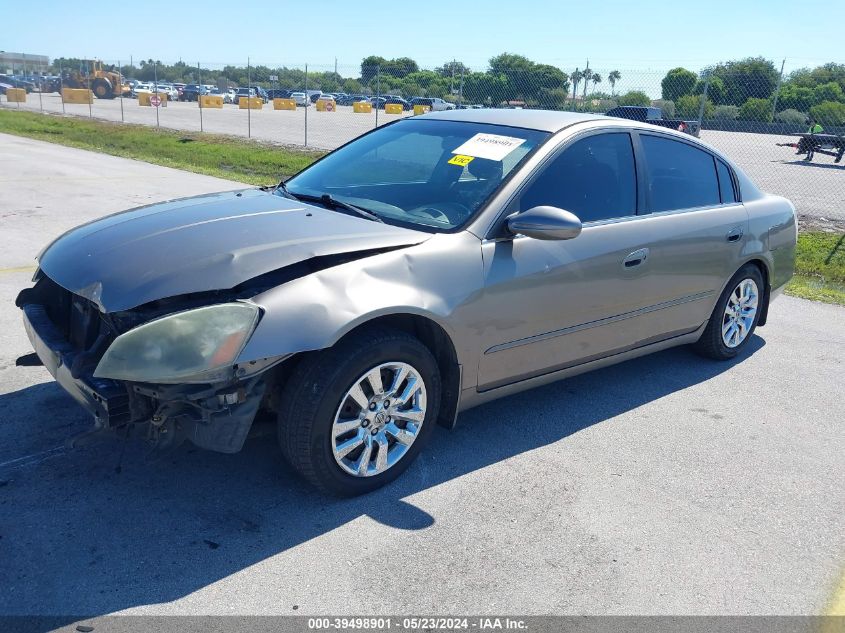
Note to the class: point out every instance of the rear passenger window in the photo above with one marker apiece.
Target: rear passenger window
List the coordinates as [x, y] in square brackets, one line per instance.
[726, 185]
[680, 176]
[594, 178]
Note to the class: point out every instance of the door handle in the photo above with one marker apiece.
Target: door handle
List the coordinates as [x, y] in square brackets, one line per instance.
[636, 258]
[735, 234]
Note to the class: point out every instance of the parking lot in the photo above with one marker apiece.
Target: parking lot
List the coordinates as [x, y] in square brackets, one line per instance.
[665, 485]
[817, 189]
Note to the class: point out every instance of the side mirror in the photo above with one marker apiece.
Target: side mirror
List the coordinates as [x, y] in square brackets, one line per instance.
[545, 223]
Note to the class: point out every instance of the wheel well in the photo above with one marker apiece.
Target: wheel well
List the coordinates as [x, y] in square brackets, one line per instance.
[432, 336]
[764, 271]
[435, 338]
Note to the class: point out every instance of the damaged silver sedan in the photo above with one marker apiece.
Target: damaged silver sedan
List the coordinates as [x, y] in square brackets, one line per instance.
[429, 266]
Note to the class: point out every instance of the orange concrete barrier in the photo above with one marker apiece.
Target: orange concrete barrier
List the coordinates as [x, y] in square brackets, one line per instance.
[326, 105]
[421, 109]
[16, 95]
[362, 107]
[392, 108]
[77, 95]
[210, 101]
[250, 103]
[144, 98]
[284, 104]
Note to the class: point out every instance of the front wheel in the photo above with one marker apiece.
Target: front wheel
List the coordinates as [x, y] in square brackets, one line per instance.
[355, 416]
[735, 316]
[102, 89]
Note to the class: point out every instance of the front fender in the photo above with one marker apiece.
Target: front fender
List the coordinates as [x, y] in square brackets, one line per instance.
[435, 279]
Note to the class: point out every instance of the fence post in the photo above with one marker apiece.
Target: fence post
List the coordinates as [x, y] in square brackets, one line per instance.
[62, 86]
[40, 91]
[199, 94]
[777, 90]
[248, 108]
[703, 101]
[24, 74]
[90, 94]
[120, 80]
[378, 89]
[307, 101]
[155, 87]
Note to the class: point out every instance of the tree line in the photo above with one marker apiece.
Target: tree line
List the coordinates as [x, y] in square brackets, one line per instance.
[752, 89]
[746, 89]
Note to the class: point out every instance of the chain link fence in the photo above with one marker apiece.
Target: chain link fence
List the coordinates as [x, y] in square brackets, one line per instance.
[756, 119]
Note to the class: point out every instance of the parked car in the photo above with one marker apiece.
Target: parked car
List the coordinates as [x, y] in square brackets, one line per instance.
[362, 315]
[300, 98]
[348, 100]
[278, 93]
[253, 91]
[169, 90]
[17, 83]
[227, 95]
[436, 104]
[141, 87]
[377, 102]
[192, 92]
[397, 101]
[655, 117]
[313, 95]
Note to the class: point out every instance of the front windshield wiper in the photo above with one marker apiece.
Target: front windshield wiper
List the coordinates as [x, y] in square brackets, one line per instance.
[330, 203]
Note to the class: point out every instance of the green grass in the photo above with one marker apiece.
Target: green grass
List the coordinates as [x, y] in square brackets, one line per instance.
[819, 267]
[820, 259]
[222, 156]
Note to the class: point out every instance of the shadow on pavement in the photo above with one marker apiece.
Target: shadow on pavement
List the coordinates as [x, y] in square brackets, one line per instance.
[812, 164]
[80, 536]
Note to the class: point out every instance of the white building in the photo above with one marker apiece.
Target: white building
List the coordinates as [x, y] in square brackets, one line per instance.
[23, 63]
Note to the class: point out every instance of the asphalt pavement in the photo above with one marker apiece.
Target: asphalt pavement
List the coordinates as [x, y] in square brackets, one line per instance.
[666, 485]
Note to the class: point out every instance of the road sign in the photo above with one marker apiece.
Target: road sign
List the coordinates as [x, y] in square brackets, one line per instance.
[274, 77]
[329, 106]
[155, 100]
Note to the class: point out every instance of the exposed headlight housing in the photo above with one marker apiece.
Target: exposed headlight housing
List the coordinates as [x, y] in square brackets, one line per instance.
[193, 346]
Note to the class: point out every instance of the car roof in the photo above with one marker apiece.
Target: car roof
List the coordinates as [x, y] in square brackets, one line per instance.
[544, 120]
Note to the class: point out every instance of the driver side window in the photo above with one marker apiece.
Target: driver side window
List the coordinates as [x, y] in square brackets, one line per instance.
[595, 178]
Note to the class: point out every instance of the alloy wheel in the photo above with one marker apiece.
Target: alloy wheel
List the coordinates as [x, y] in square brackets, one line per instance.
[378, 419]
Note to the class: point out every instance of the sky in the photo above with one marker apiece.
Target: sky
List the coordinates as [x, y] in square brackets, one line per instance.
[611, 34]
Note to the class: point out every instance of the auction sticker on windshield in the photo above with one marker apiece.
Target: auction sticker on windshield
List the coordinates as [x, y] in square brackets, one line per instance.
[489, 146]
[460, 160]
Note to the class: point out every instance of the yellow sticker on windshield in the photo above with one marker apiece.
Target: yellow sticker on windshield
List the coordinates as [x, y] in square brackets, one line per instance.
[460, 160]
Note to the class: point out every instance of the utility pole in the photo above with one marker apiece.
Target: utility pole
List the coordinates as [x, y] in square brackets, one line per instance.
[777, 90]
[703, 100]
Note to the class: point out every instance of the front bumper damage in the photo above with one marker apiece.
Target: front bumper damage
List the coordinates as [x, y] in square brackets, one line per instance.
[216, 417]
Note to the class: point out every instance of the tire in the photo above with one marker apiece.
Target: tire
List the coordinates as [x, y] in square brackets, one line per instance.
[318, 394]
[722, 346]
[102, 89]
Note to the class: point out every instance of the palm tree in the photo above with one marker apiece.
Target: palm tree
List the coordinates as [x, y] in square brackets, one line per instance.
[587, 75]
[596, 79]
[613, 77]
[576, 78]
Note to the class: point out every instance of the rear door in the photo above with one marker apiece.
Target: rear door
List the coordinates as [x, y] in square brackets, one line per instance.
[697, 228]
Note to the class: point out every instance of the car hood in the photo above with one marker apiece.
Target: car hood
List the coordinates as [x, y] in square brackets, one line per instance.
[209, 242]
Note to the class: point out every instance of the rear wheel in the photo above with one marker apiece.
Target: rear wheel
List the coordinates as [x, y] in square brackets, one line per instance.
[354, 417]
[735, 316]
